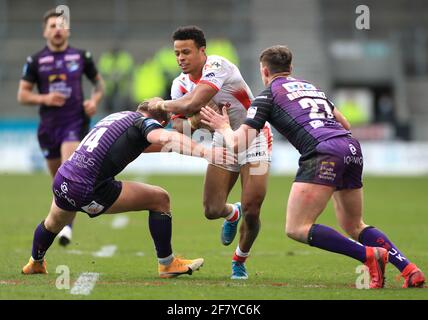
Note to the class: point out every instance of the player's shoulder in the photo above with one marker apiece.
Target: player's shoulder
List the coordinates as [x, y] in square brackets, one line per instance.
[182, 82]
[291, 84]
[215, 62]
[42, 53]
[181, 78]
[83, 53]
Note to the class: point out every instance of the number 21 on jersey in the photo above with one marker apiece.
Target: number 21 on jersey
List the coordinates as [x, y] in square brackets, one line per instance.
[316, 111]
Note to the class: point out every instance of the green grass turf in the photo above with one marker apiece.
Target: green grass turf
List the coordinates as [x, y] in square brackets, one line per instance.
[279, 268]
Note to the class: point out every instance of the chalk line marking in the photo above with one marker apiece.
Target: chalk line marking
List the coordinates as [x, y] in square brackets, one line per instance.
[85, 283]
[120, 222]
[105, 251]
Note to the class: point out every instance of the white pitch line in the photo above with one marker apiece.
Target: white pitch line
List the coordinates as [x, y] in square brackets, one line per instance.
[85, 283]
[120, 222]
[105, 252]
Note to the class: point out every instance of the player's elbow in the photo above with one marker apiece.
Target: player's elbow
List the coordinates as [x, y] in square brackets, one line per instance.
[20, 97]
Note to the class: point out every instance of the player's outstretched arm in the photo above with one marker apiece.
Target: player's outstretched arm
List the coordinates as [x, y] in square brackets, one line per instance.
[172, 141]
[238, 140]
[190, 103]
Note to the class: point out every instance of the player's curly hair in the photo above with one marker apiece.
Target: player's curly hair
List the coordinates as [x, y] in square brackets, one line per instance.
[277, 59]
[190, 33]
[158, 115]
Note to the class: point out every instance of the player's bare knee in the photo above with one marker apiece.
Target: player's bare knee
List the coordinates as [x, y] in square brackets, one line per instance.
[54, 224]
[251, 207]
[252, 219]
[298, 233]
[162, 201]
[251, 213]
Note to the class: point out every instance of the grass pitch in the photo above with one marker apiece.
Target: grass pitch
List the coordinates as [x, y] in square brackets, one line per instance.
[279, 268]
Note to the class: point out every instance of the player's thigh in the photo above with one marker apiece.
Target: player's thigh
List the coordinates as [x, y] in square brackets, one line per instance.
[305, 203]
[217, 186]
[67, 148]
[58, 218]
[348, 204]
[254, 185]
[53, 165]
[137, 196]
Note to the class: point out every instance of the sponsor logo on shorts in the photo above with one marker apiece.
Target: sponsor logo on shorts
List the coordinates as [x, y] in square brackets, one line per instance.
[353, 159]
[327, 171]
[60, 194]
[93, 208]
[256, 154]
[64, 187]
[352, 149]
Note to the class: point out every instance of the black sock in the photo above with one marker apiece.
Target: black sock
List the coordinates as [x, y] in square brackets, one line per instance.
[160, 226]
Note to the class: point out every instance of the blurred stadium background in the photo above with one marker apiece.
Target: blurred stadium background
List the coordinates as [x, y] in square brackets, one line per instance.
[377, 77]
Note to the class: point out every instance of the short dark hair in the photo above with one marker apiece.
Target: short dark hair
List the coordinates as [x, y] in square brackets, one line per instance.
[159, 115]
[190, 33]
[49, 14]
[277, 59]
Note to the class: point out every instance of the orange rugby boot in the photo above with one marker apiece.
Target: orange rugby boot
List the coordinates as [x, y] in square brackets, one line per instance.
[377, 258]
[413, 277]
[179, 266]
[33, 267]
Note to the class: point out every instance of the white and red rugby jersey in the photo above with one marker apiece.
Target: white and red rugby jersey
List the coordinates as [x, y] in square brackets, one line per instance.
[225, 77]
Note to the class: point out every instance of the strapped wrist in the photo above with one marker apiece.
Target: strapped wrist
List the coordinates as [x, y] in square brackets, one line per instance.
[163, 105]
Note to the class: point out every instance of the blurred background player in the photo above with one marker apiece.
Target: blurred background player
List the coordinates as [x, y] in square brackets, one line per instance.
[85, 182]
[331, 164]
[214, 78]
[57, 72]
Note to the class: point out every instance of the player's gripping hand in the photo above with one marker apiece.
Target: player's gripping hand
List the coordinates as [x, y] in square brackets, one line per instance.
[195, 119]
[215, 120]
[155, 104]
[90, 107]
[54, 99]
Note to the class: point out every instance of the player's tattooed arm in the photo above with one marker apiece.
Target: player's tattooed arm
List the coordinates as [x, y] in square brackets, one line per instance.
[26, 96]
[90, 105]
[190, 103]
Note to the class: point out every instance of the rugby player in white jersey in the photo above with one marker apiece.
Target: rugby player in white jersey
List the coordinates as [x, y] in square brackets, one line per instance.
[214, 78]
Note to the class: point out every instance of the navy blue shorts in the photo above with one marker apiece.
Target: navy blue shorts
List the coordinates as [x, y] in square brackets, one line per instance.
[73, 196]
[336, 162]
